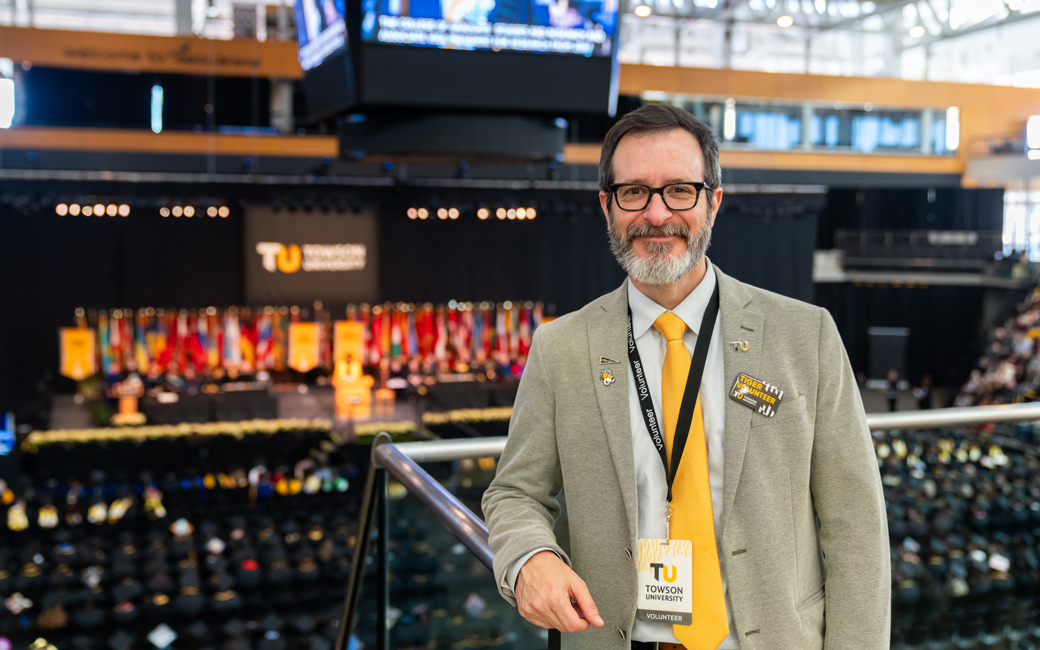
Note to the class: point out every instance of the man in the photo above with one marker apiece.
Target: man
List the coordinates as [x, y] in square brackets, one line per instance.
[780, 505]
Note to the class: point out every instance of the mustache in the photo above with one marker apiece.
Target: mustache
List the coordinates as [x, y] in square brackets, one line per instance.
[666, 230]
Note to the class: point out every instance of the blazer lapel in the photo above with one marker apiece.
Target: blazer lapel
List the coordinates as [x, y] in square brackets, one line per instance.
[739, 324]
[608, 338]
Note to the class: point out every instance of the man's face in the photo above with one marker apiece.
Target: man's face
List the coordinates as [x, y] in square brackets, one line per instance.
[658, 245]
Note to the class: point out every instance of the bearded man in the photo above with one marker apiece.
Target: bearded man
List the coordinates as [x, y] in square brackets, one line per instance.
[721, 485]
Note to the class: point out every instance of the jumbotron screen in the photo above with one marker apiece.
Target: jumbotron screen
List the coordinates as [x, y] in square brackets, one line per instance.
[581, 27]
[321, 30]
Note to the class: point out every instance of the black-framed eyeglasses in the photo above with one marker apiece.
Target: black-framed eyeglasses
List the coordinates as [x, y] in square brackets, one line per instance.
[676, 196]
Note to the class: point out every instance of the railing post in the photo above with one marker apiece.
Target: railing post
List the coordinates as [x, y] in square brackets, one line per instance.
[382, 566]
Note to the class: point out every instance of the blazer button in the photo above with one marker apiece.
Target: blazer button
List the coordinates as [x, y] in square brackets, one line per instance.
[628, 552]
[621, 633]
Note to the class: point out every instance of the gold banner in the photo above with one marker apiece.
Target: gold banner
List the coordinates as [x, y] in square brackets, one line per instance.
[63, 48]
[303, 346]
[347, 340]
[78, 360]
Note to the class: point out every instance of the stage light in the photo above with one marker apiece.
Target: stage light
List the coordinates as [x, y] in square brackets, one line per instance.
[61, 209]
[917, 31]
[500, 213]
[953, 128]
[211, 211]
[531, 213]
[511, 214]
[112, 209]
[483, 214]
[423, 213]
[189, 211]
[521, 213]
[99, 210]
[74, 209]
[177, 210]
[223, 212]
[453, 213]
[157, 102]
[164, 211]
[87, 211]
[124, 210]
[642, 11]
[412, 213]
[442, 213]
[785, 21]
[729, 121]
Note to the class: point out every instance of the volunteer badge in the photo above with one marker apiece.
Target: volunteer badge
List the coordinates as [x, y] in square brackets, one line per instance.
[759, 396]
[665, 581]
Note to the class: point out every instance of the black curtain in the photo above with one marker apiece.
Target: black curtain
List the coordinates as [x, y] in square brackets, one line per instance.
[52, 265]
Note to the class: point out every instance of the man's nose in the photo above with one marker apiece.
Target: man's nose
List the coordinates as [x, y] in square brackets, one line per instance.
[657, 212]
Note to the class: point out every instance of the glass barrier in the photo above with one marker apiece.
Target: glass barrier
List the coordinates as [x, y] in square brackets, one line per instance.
[440, 596]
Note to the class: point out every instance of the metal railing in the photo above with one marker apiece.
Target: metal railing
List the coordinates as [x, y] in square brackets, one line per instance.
[401, 460]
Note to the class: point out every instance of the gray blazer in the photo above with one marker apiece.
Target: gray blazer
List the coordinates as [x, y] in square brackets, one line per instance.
[797, 487]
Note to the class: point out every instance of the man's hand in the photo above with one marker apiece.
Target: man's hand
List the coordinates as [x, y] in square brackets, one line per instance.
[552, 596]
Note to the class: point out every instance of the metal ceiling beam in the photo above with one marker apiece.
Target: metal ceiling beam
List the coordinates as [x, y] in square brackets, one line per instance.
[1015, 17]
[858, 19]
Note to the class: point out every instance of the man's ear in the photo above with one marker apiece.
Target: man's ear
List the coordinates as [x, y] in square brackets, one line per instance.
[716, 204]
[605, 206]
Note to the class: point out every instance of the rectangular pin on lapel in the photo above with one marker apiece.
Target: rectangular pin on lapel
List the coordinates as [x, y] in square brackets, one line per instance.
[759, 396]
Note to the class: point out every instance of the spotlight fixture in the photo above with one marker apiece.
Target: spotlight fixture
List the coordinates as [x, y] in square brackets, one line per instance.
[521, 213]
[412, 213]
[177, 211]
[88, 211]
[511, 214]
[112, 210]
[211, 212]
[917, 31]
[99, 210]
[500, 213]
[423, 213]
[61, 209]
[442, 213]
[785, 21]
[531, 213]
[483, 214]
[74, 209]
[453, 213]
[223, 211]
[189, 211]
[164, 211]
[124, 210]
[642, 11]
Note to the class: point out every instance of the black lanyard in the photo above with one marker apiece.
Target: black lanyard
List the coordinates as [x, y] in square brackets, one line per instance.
[689, 400]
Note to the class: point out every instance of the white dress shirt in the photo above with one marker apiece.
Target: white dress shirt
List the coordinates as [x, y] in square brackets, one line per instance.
[651, 480]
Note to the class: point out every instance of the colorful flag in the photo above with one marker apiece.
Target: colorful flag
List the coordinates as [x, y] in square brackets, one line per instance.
[232, 345]
[77, 352]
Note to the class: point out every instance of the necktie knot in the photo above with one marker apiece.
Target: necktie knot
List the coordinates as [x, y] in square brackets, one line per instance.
[670, 326]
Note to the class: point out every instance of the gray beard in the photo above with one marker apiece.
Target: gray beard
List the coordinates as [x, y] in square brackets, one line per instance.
[659, 267]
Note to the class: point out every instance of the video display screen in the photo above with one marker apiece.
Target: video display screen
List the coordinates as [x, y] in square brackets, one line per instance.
[321, 29]
[582, 27]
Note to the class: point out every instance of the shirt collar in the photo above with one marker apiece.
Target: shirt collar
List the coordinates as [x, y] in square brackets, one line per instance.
[645, 311]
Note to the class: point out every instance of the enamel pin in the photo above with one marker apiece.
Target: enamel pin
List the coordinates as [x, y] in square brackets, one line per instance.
[759, 396]
[606, 360]
[607, 377]
[741, 346]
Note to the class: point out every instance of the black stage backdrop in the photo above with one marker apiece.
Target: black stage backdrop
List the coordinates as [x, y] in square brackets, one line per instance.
[51, 265]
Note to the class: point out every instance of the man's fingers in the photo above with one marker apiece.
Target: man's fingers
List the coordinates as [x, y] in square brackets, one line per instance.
[567, 617]
[584, 604]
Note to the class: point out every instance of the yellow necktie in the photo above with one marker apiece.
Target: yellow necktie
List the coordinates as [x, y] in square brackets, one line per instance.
[692, 516]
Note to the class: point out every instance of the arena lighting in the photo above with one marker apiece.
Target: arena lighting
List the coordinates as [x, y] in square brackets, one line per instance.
[157, 101]
[917, 31]
[124, 210]
[785, 21]
[211, 212]
[453, 213]
[177, 211]
[500, 213]
[442, 213]
[112, 210]
[511, 213]
[74, 209]
[223, 212]
[412, 213]
[953, 128]
[483, 214]
[729, 122]
[423, 213]
[61, 209]
[87, 211]
[164, 211]
[642, 11]
[531, 213]
[521, 213]
[189, 211]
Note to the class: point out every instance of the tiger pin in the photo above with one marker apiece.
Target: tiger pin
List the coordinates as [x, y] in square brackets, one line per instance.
[607, 377]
